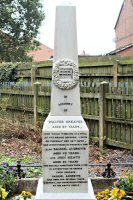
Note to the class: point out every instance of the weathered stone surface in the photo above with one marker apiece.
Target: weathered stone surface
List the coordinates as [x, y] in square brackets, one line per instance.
[65, 134]
[40, 195]
[30, 184]
[65, 96]
[65, 158]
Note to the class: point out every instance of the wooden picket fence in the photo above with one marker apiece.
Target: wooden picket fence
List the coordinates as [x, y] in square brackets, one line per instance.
[107, 110]
[93, 70]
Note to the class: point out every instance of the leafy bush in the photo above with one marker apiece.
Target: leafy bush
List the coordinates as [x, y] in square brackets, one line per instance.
[8, 72]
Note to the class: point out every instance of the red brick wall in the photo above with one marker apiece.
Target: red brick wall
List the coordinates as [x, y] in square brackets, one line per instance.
[127, 52]
[42, 54]
[124, 26]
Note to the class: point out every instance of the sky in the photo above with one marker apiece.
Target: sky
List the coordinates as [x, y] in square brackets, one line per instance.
[96, 20]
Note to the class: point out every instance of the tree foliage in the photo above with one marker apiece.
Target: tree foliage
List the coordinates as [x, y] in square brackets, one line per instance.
[19, 24]
[8, 72]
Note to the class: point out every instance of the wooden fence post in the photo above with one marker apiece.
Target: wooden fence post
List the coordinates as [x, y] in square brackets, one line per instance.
[33, 76]
[104, 87]
[35, 92]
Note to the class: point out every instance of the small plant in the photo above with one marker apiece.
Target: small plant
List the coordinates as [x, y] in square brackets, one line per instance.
[8, 176]
[3, 193]
[103, 195]
[114, 194]
[29, 172]
[34, 172]
[123, 189]
[24, 196]
[125, 182]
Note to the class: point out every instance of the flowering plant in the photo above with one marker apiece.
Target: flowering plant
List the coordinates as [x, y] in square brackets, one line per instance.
[125, 182]
[7, 177]
[117, 194]
[103, 195]
[24, 196]
[3, 193]
[122, 189]
[114, 194]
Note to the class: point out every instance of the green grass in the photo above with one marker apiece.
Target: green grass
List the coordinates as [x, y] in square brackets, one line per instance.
[31, 172]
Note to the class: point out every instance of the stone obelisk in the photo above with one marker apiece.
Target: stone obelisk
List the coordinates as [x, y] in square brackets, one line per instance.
[65, 134]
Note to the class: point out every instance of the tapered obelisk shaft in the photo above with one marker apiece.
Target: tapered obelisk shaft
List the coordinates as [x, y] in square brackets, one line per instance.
[65, 39]
[65, 97]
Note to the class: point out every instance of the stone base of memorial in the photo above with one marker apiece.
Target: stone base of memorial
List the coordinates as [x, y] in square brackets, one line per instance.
[40, 195]
[65, 159]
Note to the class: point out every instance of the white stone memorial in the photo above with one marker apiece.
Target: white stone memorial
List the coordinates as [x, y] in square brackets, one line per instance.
[65, 134]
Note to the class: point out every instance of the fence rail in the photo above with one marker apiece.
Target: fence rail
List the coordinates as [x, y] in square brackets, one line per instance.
[96, 69]
[107, 110]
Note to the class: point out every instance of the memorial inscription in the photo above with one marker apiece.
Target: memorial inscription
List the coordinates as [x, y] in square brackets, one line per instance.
[65, 164]
[65, 105]
[65, 74]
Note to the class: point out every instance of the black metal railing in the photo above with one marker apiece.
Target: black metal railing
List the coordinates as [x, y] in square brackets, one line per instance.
[107, 173]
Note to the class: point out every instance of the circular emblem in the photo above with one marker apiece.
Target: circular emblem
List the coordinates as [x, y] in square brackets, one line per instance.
[65, 74]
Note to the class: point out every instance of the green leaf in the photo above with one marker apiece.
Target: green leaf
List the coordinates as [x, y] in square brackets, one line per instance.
[19, 24]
